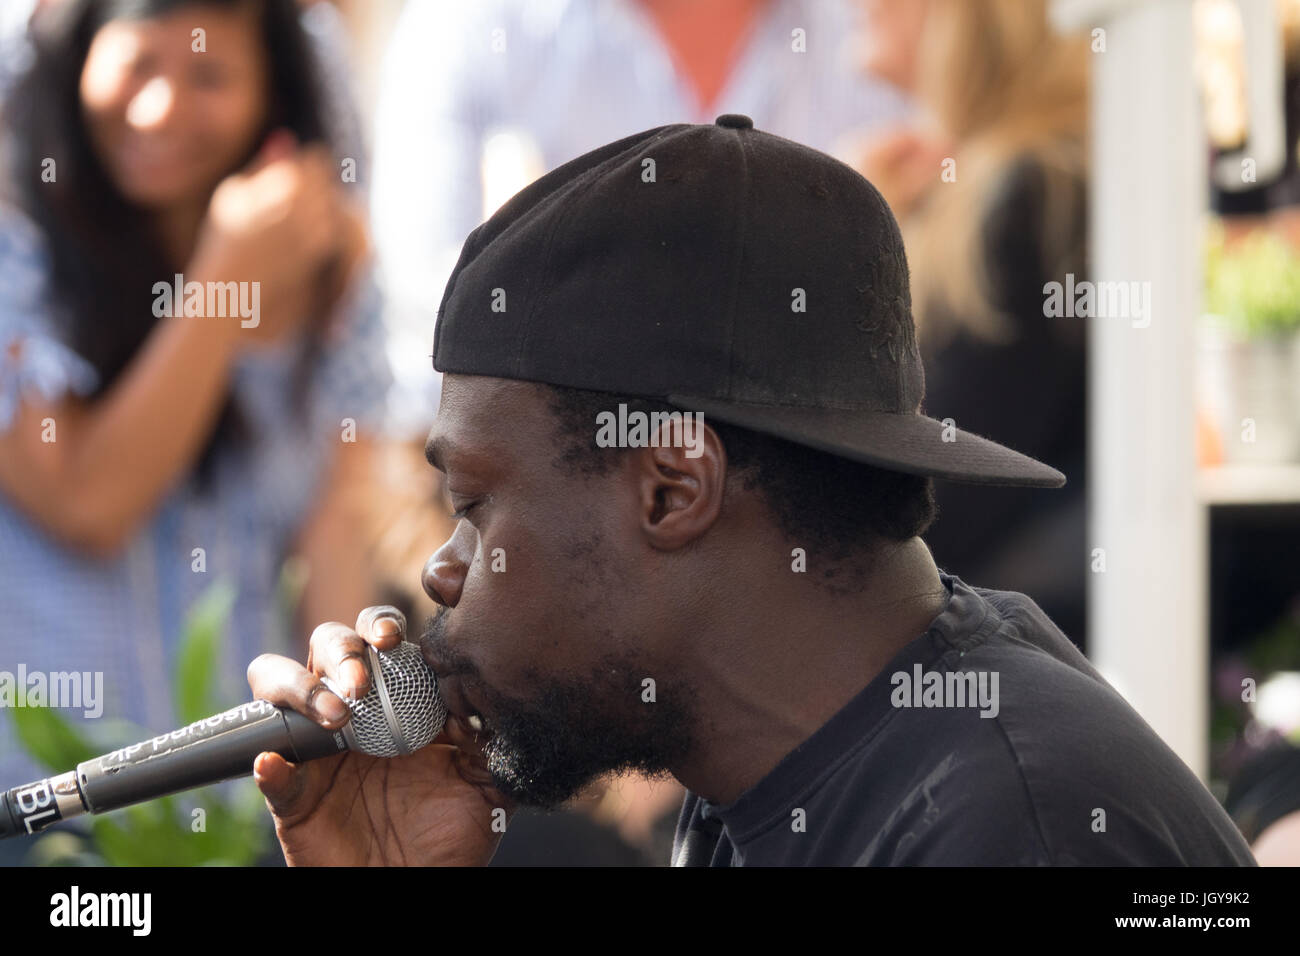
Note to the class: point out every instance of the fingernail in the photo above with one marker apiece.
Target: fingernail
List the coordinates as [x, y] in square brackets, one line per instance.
[356, 675]
[386, 627]
[330, 707]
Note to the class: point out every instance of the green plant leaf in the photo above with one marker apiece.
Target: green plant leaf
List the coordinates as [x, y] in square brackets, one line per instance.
[160, 832]
[294, 574]
[63, 848]
[50, 739]
[1252, 288]
[114, 841]
[196, 661]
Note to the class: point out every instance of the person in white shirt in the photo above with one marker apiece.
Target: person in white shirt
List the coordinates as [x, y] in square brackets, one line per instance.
[478, 99]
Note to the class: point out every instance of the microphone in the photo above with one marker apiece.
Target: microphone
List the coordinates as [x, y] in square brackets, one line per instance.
[401, 714]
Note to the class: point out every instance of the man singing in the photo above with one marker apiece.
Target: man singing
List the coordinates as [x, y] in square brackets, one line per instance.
[747, 606]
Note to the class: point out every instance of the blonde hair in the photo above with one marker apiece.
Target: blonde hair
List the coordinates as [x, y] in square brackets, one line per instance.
[1004, 88]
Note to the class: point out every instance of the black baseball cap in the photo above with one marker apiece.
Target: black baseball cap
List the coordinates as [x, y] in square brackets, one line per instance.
[723, 270]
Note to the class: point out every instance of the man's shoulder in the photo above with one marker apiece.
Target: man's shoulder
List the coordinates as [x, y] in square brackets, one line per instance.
[1029, 755]
[988, 741]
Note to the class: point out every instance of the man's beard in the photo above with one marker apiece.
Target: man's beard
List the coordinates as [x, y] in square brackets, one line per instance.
[542, 752]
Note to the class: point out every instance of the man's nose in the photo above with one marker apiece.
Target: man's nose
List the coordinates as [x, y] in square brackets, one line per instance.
[443, 577]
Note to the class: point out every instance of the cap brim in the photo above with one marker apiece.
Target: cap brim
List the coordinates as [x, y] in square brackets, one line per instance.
[913, 444]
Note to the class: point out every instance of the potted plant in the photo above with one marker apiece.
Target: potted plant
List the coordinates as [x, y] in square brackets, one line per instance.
[1250, 347]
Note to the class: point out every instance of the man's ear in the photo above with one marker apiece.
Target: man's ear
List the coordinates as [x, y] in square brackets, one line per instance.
[679, 485]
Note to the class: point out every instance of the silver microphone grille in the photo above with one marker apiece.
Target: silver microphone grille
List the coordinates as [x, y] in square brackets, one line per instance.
[402, 712]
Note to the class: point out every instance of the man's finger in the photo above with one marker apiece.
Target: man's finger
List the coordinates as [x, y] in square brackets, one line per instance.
[286, 683]
[337, 652]
[383, 625]
[280, 782]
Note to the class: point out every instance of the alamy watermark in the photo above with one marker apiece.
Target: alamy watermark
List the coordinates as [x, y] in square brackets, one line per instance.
[217, 300]
[133, 911]
[639, 429]
[923, 688]
[1102, 300]
[82, 690]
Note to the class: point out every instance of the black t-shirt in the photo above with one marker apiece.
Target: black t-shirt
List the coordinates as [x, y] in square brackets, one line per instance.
[1061, 770]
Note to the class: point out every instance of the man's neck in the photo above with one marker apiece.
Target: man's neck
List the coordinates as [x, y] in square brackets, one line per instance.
[792, 659]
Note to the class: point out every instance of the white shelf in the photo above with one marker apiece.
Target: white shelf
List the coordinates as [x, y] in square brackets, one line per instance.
[1249, 484]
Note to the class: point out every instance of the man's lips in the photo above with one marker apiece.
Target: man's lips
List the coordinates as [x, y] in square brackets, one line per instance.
[459, 732]
[431, 657]
[453, 697]
[459, 707]
[452, 691]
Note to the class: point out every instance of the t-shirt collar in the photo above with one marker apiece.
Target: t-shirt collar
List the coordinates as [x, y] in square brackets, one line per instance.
[800, 772]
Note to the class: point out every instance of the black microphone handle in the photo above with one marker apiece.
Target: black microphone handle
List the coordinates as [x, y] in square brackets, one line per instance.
[207, 751]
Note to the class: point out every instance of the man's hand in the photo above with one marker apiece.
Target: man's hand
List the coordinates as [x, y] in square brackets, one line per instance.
[431, 808]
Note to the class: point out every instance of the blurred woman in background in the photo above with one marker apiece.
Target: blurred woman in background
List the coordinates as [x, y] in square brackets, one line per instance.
[144, 456]
[989, 188]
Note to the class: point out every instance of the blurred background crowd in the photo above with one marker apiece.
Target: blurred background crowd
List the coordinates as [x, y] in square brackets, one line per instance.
[178, 497]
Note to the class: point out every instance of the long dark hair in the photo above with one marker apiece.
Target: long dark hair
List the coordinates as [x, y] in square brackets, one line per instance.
[104, 254]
